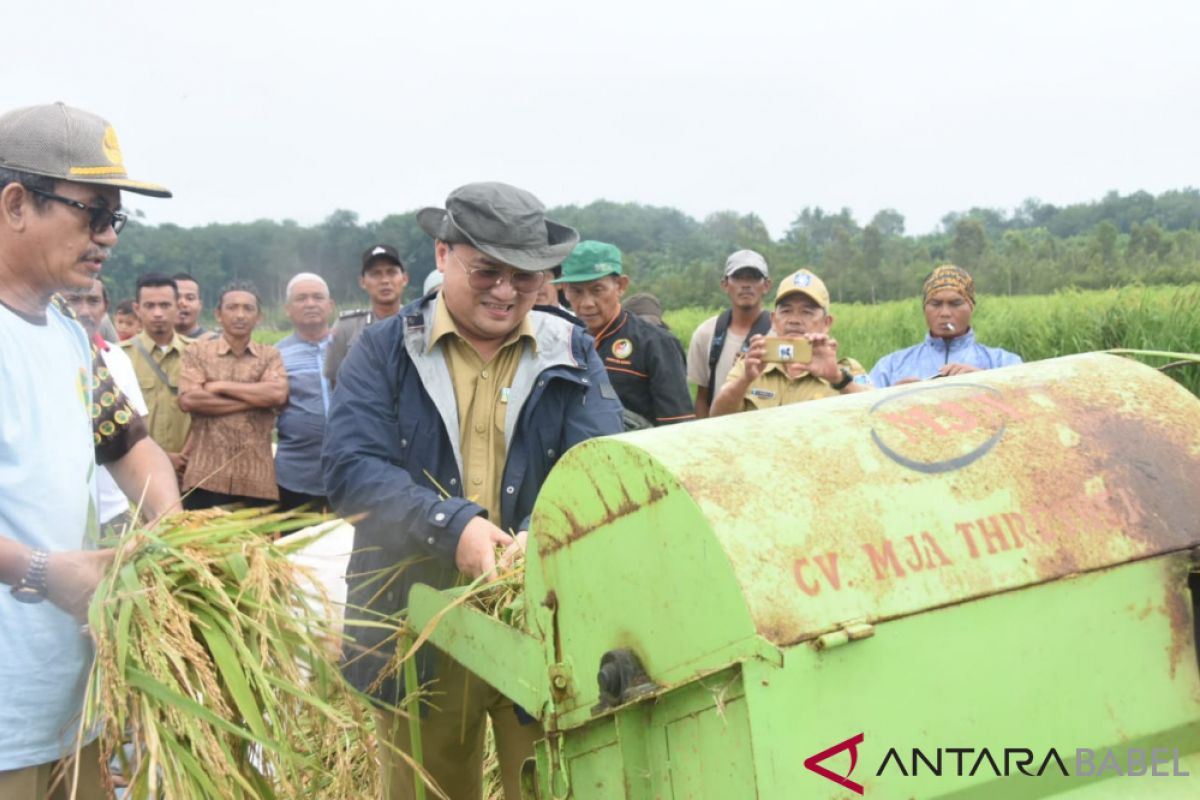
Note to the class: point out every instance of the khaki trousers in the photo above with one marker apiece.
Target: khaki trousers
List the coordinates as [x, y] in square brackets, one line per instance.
[33, 783]
[452, 738]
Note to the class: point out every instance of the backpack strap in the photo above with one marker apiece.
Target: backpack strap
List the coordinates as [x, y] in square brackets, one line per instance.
[154, 365]
[717, 345]
[761, 326]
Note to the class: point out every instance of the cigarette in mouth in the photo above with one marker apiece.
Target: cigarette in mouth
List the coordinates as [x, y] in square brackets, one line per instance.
[950, 325]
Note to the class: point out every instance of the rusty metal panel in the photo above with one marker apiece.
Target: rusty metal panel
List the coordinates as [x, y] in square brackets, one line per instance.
[921, 496]
[885, 503]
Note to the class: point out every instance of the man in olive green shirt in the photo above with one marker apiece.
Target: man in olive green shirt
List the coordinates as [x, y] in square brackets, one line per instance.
[446, 419]
[801, 312]
[157, 356]
[479, 390]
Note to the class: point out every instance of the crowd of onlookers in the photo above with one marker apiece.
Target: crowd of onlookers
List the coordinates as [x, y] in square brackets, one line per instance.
[213, 398]
[433, 425]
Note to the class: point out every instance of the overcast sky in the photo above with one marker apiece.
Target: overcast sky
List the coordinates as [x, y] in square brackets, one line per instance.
[253, 109]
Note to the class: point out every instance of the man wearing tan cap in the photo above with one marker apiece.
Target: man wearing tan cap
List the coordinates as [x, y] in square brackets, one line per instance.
[61, 176]
[801, 312]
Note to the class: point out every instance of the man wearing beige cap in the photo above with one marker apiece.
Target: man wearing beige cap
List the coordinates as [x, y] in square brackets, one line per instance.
[61, 176]
[719, 340]
[801, 312]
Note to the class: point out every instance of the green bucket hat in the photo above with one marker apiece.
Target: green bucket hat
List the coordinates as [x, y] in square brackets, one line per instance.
[58, 141]
[591, 260]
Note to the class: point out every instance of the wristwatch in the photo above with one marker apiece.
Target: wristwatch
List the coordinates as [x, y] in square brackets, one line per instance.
[32, 588]
[844, 382]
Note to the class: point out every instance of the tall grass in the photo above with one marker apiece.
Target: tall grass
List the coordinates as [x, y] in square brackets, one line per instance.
[1036, 327]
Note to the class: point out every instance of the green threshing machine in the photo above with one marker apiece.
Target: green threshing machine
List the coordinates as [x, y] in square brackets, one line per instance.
[980, 587]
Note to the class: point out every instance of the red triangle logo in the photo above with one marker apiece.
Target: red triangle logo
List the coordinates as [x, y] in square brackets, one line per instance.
[813, 763]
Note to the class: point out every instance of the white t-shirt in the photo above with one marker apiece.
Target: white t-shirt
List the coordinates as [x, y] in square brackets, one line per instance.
[47, 501]
[111, 499]
[697, 362]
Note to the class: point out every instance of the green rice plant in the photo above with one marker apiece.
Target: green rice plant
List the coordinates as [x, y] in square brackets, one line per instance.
[221, 668]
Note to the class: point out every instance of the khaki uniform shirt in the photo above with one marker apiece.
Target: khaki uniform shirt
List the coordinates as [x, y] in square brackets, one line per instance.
[168, 424]
[482, 394]
[774, 387]
[231, 453]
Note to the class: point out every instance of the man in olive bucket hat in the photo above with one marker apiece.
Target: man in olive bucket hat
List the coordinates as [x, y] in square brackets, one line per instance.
[445, 422]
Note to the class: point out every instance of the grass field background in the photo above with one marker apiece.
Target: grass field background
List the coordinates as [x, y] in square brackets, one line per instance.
[1035, 327]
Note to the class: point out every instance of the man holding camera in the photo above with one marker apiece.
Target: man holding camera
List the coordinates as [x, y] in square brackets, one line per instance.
[778, 370]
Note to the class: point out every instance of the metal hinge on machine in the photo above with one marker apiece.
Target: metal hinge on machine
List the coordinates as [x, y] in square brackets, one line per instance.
[847, 632]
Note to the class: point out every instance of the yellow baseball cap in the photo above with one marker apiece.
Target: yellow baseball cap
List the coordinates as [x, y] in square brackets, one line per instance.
[58, 141]
[803, 282]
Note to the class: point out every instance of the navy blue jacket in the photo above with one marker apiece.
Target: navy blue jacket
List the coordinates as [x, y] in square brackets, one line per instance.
[393, 418]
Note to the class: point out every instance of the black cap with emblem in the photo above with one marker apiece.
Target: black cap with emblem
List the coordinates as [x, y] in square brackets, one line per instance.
[380, 252]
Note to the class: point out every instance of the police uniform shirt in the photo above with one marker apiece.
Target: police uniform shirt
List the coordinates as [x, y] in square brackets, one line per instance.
[349, 326]
[646, 368]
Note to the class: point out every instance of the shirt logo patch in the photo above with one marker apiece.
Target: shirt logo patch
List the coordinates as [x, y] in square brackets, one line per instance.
[765, 394]
[622, 348]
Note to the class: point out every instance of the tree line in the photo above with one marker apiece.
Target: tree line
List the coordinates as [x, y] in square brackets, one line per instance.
[1036, 248]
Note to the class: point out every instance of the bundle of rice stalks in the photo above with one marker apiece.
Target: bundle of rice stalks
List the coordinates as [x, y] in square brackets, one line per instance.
[501, 594]
[219, 667]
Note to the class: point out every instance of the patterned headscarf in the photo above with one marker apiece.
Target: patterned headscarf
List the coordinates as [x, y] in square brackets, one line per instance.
[949, 276]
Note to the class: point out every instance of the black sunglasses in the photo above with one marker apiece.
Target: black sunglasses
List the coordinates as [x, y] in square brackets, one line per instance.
[101, 218]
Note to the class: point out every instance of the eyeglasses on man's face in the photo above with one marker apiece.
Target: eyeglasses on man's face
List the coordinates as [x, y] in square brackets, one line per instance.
[99, 218]
[481, 279]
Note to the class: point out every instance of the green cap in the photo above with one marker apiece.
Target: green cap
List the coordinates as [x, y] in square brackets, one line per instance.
[589, 261]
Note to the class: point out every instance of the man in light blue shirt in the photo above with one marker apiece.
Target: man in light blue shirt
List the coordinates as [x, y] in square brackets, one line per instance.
[301, 424]
[949, 347]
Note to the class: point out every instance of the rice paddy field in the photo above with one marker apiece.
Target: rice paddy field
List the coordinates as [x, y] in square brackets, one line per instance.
[1160, 318]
